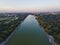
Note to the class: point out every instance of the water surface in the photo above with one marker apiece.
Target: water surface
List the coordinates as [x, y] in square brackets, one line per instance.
[29, 33]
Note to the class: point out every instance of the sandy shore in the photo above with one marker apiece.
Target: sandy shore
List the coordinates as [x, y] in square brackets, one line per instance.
[51, 39]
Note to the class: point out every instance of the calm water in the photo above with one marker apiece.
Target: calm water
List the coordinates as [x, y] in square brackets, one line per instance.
[29, 33]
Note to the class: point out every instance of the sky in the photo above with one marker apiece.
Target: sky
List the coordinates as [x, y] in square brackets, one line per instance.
[29, 5]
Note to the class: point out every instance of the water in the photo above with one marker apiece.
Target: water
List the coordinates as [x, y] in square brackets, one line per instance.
[29, 33]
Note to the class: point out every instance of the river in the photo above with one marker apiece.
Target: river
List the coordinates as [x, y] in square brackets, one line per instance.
[29, 33]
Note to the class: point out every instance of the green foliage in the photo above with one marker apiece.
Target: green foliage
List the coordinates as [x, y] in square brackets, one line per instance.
[52, 26]
[8, 28]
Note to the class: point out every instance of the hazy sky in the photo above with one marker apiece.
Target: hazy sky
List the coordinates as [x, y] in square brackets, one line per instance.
[30, 5]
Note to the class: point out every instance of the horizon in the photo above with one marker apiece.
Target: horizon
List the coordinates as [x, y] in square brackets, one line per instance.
[29, 5]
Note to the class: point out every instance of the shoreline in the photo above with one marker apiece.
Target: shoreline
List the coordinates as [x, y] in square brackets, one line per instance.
[3, 43]
[51, 39]
[12, 32]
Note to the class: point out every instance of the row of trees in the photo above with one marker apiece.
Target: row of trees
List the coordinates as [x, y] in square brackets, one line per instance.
[9, 27]
[52, 27]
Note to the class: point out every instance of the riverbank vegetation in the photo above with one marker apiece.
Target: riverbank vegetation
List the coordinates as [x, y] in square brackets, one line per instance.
[8, 25]
[51, 24]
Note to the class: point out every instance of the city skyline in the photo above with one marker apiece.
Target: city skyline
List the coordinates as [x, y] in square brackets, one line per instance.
[29, 5]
